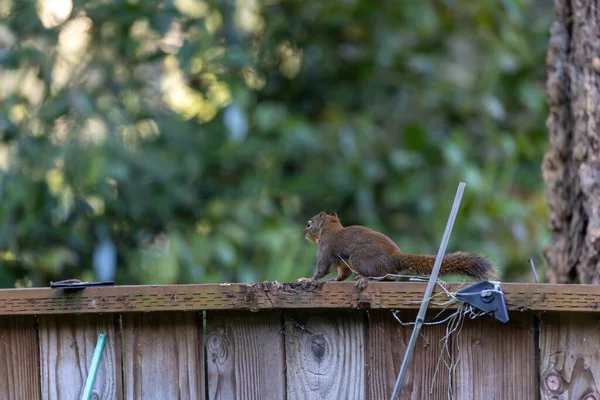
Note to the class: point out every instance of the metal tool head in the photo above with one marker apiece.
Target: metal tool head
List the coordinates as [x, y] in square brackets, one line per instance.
[76, 284]
[486, 296]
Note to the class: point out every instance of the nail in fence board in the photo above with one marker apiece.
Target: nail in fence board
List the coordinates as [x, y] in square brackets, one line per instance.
[163, 356]
[570, 356]
[325, 355]
[245, 353]
[497, 361]
[67, 345]
[20, 365]
[387, 343]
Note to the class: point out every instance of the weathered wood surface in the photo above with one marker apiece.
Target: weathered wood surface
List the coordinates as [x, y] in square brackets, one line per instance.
[386, 346]
[325, 355]
[570, 356]
[20, 358]
[245, 355]
[163, 356]
[305, 353]
[340, 295]
[67, 345]
[497, 360]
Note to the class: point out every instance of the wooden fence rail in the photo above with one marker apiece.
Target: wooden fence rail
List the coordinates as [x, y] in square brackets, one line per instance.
[277, 341]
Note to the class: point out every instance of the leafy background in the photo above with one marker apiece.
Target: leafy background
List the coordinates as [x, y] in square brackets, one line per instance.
[192, 139]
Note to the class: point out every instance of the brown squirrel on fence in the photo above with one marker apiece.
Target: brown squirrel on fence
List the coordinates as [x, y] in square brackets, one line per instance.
[372, 254]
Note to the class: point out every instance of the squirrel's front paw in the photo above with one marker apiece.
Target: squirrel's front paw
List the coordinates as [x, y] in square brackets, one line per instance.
[361, 283]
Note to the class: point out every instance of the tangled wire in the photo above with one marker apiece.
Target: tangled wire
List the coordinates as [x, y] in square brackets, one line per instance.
[454, 323]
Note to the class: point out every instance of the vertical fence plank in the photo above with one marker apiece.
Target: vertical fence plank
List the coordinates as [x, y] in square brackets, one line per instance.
[387, 342]
[325, 355]
[67, 344]
[245, 355]
[497, 361]
[163, 355]
[570, 356]
[20, 365]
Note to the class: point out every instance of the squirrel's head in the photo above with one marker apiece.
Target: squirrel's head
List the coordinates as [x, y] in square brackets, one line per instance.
[314, 226]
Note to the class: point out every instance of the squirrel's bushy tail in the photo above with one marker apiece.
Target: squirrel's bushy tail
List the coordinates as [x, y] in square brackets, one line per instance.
[459, 263]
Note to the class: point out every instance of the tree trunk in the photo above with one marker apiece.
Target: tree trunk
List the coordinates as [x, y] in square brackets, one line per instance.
[571, 168]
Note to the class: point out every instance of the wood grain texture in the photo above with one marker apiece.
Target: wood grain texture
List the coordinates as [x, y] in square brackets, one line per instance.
[325, 355]
[386, 346]
[19, 352]
[570, 356]
[67, 345]
[163, 356]
[270, 295]
[497, 361]
[245, 353]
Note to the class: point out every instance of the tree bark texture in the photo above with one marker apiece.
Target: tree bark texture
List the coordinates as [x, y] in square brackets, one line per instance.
[571, 168]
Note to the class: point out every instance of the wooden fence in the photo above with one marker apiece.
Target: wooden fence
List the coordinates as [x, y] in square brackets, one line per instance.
[273, 341]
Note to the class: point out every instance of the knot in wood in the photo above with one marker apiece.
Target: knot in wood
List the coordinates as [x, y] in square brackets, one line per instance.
[553, 382]
[590, 396]
[317, 346]
[218, 346]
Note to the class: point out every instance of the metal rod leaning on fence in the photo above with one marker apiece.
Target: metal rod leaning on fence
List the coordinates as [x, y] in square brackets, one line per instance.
[428, 291]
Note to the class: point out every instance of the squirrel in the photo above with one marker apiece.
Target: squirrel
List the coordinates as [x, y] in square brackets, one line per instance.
[372, 254]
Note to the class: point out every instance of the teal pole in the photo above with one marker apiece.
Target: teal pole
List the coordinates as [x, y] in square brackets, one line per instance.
[91, 378]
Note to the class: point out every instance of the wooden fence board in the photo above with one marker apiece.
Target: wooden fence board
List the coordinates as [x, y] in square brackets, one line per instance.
[387, 343]
[352, 350]
[570, 356]
[20, 365]
[273, 295]
[245, 353]
[163, 356]
[497, 360]
[325, 355]
[67, 345]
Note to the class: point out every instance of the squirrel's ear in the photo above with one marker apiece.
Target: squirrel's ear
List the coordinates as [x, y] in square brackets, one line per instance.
[332, 213]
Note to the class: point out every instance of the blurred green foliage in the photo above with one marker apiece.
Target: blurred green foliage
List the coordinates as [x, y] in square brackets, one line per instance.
[199, 136]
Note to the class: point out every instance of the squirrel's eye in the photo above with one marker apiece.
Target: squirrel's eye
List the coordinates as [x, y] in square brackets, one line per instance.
[308, 224]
